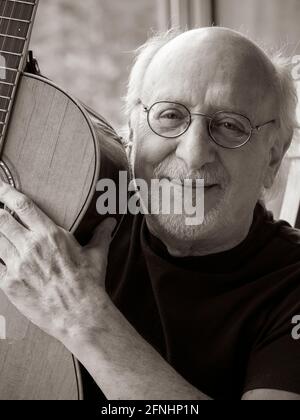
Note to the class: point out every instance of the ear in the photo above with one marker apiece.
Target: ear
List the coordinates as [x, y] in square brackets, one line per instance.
[276, 154]
[129, 147]
[130, 139]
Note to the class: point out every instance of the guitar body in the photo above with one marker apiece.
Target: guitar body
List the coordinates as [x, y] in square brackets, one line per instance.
[55, 151]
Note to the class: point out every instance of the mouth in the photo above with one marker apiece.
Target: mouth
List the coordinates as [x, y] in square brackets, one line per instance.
[194, 185]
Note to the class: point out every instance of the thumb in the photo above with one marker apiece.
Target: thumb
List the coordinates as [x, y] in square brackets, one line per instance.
[102, 237]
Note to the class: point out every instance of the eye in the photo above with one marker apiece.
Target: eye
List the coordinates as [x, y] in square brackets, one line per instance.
[172, 114]
[230, 126]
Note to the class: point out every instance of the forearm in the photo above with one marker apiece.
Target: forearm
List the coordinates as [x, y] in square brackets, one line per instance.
[124, 365]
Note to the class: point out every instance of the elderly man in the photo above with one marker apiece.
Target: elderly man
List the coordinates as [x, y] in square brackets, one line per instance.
[170, 311]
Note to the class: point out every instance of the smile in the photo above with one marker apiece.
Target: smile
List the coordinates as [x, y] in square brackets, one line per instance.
[194, 185]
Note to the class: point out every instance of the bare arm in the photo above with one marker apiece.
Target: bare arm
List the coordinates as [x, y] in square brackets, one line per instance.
[125, 366]
[270, 395]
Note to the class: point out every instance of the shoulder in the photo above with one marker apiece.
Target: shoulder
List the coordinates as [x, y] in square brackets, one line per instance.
[290, 235]
[286, 244]
[283, 241]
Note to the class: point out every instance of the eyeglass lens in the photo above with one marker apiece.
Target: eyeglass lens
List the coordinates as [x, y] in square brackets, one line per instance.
[170, 120]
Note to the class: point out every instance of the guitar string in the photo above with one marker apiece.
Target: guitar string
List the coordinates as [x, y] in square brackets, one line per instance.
[4, 37]
[8, 25]
[5, 32]
[5, 4]
[3, 44]
[22, 6]
[2, 19]
[10, 21]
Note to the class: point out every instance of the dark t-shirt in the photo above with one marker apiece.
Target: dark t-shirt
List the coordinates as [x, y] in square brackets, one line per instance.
[223, 321]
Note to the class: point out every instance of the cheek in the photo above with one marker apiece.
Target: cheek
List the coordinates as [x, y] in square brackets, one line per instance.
[150, 151]
[246, 167]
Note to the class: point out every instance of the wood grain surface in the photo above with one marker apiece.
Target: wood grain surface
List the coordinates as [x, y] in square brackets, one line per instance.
[54, 156]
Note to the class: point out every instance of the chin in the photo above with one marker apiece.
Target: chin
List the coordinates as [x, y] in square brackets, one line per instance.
[173, 228]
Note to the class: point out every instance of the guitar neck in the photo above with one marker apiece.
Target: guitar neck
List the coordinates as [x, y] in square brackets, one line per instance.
[16, 22]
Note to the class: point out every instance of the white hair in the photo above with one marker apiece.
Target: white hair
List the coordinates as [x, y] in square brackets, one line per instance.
[287, 115]
[287, 94]
[283, 84]
[143, 57]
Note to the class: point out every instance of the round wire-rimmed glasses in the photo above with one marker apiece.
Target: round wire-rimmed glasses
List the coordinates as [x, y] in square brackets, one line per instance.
[227, 129]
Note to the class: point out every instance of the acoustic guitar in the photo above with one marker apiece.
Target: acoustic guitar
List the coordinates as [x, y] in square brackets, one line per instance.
[54, 150]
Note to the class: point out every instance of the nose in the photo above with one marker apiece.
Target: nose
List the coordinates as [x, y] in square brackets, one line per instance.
[195, 147]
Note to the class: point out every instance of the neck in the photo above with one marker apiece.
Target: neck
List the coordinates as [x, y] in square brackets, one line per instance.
[16, 20]
[213, 243]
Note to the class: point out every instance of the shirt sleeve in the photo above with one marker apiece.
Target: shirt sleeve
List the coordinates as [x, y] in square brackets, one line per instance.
[274, 362]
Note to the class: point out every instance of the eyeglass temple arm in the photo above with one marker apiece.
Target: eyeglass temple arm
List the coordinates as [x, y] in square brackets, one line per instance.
[259, 127]
[145, 108]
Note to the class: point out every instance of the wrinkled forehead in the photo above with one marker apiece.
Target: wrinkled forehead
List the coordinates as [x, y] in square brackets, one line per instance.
[215, 72]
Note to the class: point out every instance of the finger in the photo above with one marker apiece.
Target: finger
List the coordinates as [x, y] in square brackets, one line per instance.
[100, 242]
[12, 230]
[28, 212]
[8, 251]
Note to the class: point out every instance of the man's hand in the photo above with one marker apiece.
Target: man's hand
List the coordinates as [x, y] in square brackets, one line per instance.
[59, 286]
[48, 276]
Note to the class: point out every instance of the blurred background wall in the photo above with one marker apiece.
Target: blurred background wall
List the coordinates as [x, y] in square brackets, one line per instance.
[86, 47]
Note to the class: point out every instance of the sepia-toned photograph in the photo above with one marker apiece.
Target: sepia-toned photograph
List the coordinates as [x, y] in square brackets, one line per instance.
[149, 202]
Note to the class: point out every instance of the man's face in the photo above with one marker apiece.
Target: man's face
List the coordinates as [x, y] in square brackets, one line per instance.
[207, 73]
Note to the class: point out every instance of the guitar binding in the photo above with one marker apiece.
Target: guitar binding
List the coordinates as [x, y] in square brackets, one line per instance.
[7, 177]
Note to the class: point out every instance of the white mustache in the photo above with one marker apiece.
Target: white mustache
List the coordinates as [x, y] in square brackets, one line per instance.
[173, 171]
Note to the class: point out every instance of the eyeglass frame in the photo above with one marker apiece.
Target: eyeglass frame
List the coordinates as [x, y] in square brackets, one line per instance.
[210, 117]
